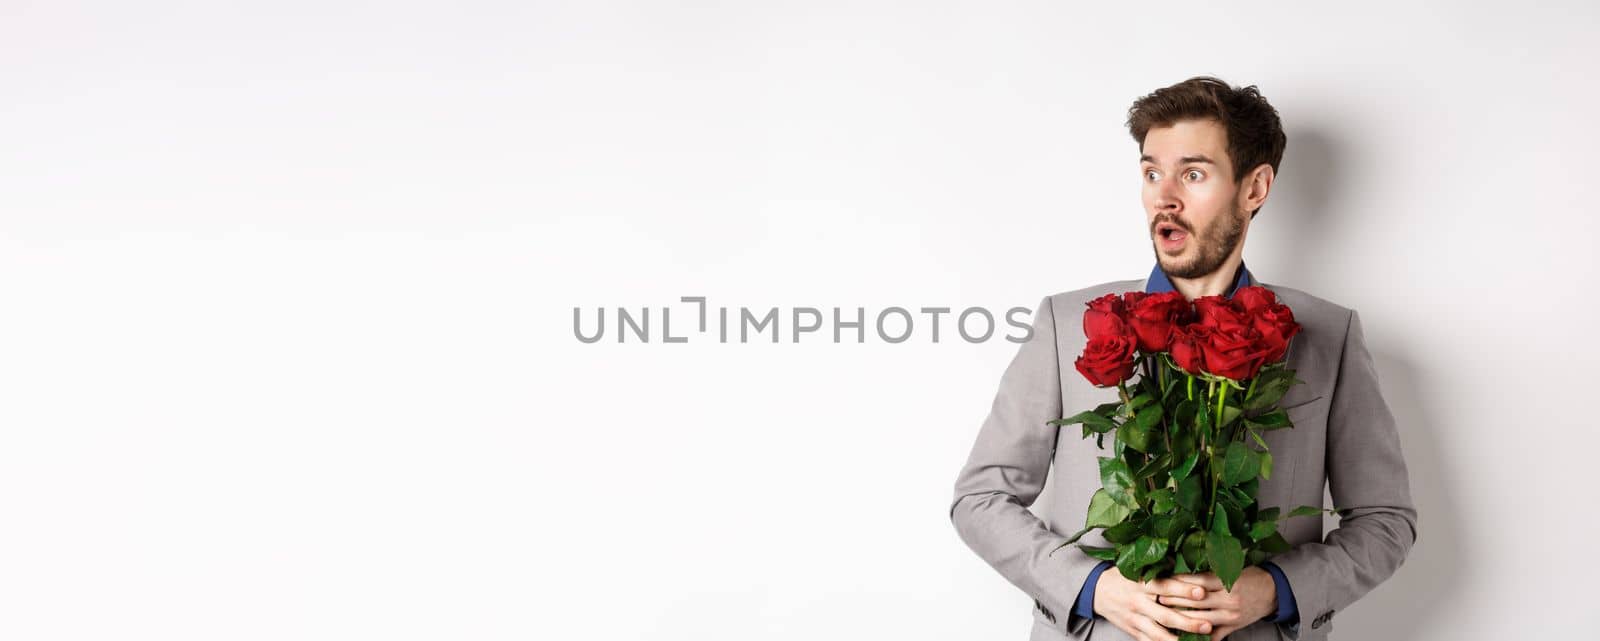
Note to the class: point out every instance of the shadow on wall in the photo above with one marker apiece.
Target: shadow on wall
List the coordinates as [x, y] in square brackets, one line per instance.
[1304, 201]
[1440, 561]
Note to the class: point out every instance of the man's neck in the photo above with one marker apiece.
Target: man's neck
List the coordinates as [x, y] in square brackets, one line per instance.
[1215, 283]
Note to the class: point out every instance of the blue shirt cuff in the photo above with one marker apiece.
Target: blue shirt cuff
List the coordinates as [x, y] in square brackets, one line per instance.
[1085, 604]
[1288, 612]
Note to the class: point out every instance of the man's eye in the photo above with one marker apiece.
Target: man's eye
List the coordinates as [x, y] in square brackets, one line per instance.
[1194, 174]
[1150, 174]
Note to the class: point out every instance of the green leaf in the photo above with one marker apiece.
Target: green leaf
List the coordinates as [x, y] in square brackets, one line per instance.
[1149, 417]
[1257, 436]
[1241, 497]
[1304, 510]
[1089, 419]
[1235, 516]
[1153, 467]
[1183, 568]
[1268, 514]
[1186, 412]
[1072, 539]
[1163, 500]
[1230, 413]
[1174, 525]
[1104, 511]
[1162, 567]
[1226, 556]
[1140, 400]
[1274, 420]
[1144, 551]
[1104, 554]
[1193, 636]
[1226, 498]
[1183, 469]
[1263, 529]
[1184, 442]
[1274, 544]
[1108, 410]
[1194, 550]
[1240, 464]
[1159, 524]
[1270, 387]
[1266, 465]
[1126, 531]
[1189, 494]
[1254, 556]
[1117, 481]
[1135, 436]
[1138, 432]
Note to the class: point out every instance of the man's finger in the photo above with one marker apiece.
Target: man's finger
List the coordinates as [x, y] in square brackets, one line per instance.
[1178, 620]
[1208, 602]
[1175, 588]
[1214, 617]
[1207, 580]
[1153, 630]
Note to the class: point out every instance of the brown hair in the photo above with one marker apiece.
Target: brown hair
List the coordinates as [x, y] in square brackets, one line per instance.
[1255, 135]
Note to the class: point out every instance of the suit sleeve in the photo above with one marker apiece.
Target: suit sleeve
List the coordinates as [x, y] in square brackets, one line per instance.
[1085, 603]
[1287, 613]
[1368, 481]
[1005, 473]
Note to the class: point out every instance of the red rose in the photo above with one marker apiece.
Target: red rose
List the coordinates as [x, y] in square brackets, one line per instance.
[1131, 299]
[1234, 352]
[1108, 359]
[1254, 298]
[1106, 316]
[1217, 312]
[1153, 317]
[1186, 352]
[1276, 325]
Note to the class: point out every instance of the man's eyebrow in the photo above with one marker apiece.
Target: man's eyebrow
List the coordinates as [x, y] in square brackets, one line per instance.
[1182, 161]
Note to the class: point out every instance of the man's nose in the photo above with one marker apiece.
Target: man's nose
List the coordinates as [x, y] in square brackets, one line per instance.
[1167, 198]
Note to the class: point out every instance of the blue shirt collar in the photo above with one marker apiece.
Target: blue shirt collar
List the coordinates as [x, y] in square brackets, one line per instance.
[1158, 281]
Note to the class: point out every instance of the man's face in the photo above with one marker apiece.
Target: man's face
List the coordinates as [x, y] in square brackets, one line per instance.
[1189, 186]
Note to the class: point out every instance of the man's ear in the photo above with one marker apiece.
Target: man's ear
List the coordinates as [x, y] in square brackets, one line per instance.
[1257, 184]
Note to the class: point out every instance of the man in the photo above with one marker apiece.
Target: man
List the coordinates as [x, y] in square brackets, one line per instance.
[1208, 156]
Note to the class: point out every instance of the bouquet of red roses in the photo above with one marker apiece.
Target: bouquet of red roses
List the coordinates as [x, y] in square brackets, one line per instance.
[1179, 492]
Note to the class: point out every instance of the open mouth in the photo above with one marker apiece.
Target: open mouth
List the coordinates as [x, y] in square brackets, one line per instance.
[1171, 233]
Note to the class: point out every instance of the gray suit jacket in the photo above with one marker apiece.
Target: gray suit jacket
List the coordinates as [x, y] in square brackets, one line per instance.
[1344, 435]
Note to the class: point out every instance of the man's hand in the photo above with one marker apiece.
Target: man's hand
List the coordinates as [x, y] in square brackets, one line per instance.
[1254, 597]
[1132, 606]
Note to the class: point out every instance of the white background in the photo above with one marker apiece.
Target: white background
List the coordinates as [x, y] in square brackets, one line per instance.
[286, 346]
